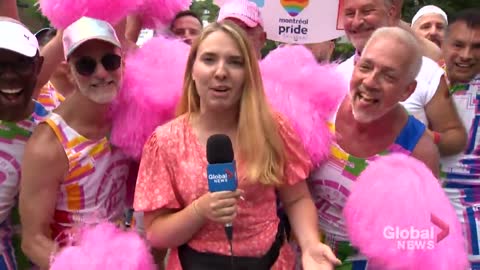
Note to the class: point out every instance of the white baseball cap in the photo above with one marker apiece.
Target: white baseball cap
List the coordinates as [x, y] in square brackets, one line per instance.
[86, 29]
[430, 9]
[17, 38]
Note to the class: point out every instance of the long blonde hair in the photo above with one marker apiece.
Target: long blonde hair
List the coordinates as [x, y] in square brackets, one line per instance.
[261, 147]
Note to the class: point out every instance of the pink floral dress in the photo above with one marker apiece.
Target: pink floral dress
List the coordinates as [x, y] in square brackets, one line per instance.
[172, 175]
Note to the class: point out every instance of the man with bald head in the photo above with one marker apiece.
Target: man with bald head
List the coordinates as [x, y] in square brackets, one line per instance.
[370, 122]
[430, 102]
[20, 64]
[430, 22]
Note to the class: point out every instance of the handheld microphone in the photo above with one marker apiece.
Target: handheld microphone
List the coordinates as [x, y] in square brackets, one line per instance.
[221, 170]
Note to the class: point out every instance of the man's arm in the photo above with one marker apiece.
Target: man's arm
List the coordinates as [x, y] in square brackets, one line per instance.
[8, 8]
[443, 118]
[133, 28]
[430, 49]
[427, 152]
[43, 168]
[52, 54]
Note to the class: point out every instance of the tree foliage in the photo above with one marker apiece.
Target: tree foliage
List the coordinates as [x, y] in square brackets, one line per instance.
[30, 15]
[206, 9]
[410, 7]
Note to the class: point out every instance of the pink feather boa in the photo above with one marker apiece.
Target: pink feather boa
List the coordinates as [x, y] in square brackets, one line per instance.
[302, 90]
[62, 13]
[103, 247]
[151, 88]
[155, 13]
[306, 93]
[398, 191]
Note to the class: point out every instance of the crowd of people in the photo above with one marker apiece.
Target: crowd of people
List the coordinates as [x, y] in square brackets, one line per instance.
[414, 89]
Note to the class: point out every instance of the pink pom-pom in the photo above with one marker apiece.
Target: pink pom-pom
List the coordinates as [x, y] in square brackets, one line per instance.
[105, 247]
[151, 89]
[62, 13]
[155, 13]
[398, 216]
[305, 92]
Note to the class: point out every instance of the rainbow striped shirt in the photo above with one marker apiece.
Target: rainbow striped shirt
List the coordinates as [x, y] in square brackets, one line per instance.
[95, 187]
[49, 97]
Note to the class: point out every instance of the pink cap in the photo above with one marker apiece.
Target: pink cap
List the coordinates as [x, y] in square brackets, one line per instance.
[244, 10]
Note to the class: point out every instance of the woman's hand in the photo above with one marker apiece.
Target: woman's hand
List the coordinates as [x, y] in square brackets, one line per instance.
[318, 256]
[219, 207]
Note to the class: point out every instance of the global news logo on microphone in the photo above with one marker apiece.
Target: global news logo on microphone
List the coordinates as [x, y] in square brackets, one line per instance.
[222, 177]
[412, 238]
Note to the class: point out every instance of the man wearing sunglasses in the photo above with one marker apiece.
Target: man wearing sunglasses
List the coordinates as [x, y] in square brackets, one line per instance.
[71, 175]
[20, 64]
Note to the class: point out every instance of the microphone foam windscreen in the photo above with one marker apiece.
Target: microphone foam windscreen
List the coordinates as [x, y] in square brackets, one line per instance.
[219, 149]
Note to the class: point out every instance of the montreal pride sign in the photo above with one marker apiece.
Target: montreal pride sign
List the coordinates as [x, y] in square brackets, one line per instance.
[300, 21]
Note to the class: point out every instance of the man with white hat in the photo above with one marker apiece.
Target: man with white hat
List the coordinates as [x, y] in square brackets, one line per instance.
[430, 22]
[20, 64]
[71, 175]
[246, 14]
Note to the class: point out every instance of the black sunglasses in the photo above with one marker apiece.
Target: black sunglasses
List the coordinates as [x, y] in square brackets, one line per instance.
[86, 65]
[23, 66]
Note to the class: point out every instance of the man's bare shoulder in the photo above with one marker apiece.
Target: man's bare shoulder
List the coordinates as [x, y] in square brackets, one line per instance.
[44, 163]
[44, 145]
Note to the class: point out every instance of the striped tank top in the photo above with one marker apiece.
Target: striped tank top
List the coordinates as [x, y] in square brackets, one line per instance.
[94, 188]
[49, 97]
[330, 185]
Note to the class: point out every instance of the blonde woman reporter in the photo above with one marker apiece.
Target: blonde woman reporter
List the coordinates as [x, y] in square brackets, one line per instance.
[223, 93]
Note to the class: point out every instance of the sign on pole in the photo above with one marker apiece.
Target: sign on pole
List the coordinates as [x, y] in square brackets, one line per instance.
[300, 21]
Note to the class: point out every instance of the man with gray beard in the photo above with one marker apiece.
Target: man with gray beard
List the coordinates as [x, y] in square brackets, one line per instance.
[71, 174]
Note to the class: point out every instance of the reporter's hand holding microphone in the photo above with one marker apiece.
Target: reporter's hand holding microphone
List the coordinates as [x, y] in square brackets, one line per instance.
[218, 206]
[220, 203]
